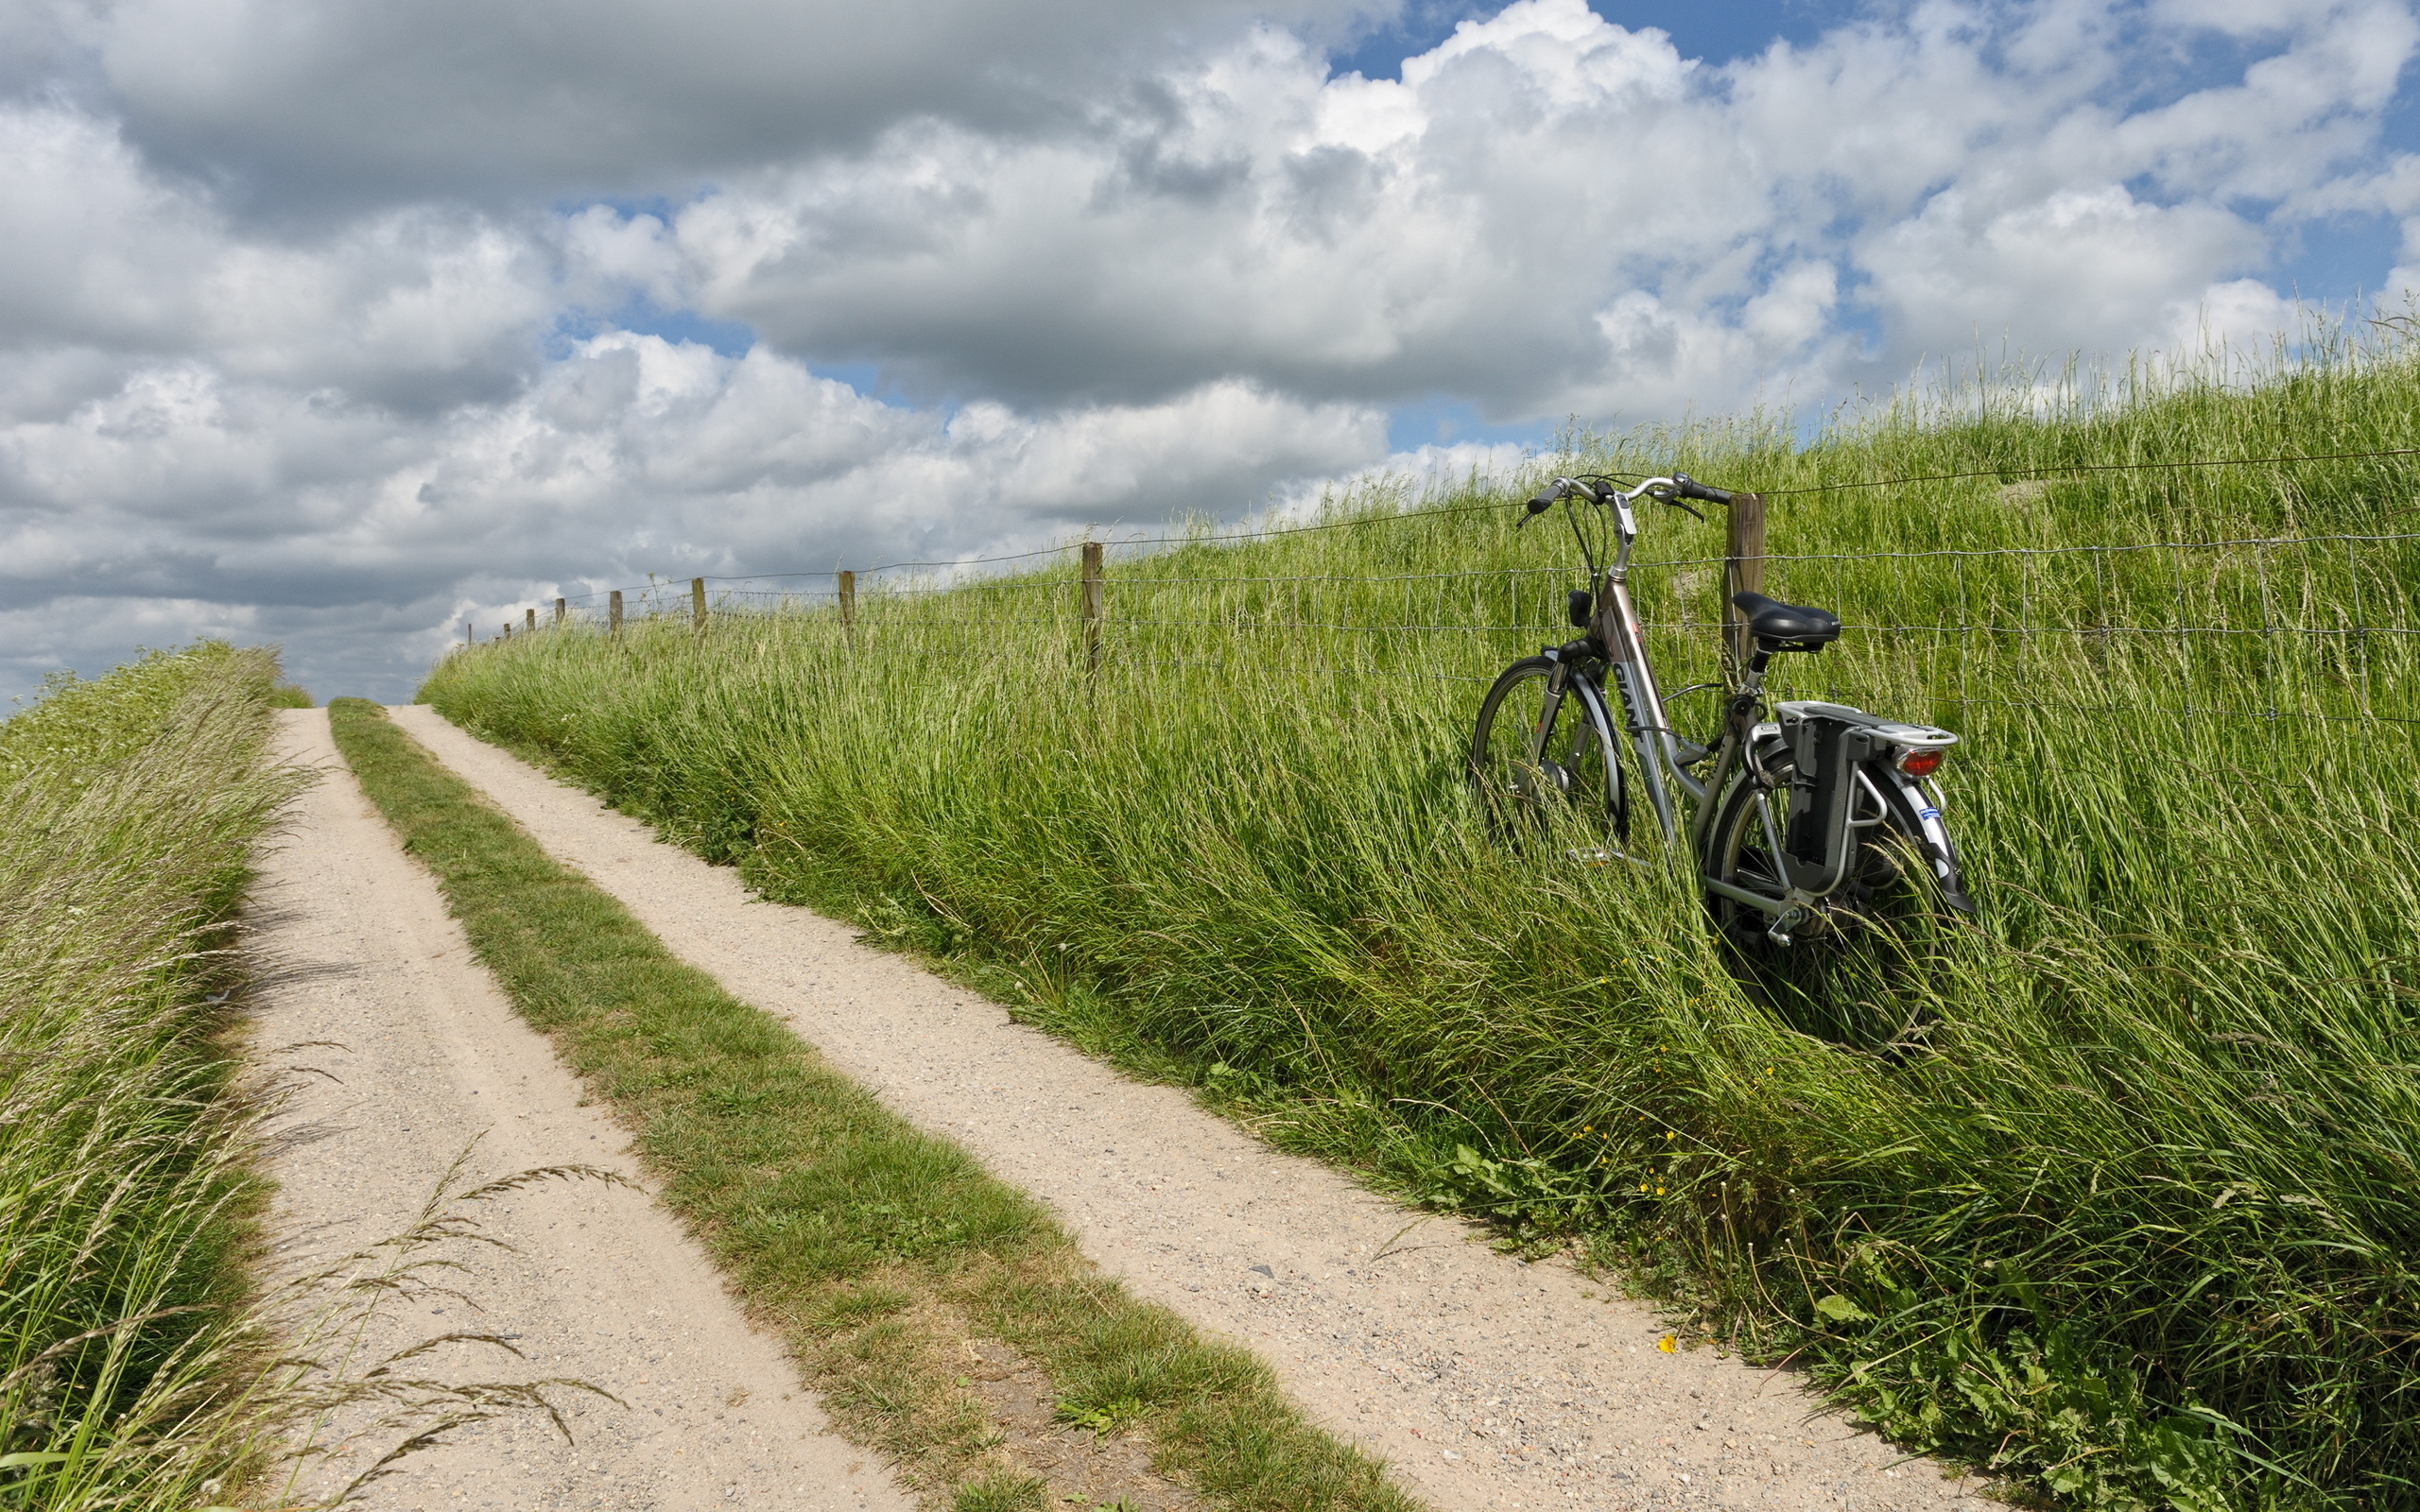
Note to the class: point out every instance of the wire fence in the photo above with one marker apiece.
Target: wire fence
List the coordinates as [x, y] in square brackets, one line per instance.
[2290, 626]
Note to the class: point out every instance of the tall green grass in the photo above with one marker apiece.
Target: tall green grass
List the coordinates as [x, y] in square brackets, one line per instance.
[130, 1353]
[2140, 1228]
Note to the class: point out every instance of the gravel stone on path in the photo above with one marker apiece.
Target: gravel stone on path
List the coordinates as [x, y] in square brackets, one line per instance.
[1488, 1383]
[356, 948]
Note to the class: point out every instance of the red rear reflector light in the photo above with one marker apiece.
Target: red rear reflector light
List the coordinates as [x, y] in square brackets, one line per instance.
[1921, 762]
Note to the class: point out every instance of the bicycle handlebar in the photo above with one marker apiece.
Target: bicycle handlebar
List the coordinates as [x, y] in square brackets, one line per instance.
[1554, 493]
[1671, 490]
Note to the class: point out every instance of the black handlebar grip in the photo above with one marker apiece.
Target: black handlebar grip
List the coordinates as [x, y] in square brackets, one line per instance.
[1684, 486]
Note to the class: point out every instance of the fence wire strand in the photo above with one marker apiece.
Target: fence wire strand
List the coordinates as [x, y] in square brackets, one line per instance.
[2305, 652]
[2308, 627]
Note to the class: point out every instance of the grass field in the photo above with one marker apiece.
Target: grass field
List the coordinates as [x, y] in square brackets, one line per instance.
[133, 1364]
[2138, 1229]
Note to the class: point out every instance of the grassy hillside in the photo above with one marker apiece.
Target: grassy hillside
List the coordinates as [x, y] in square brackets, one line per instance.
[130, 1357]
[2139, 1228]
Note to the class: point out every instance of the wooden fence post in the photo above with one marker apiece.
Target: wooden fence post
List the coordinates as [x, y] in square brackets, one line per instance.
[848, 599]
[508, 630]
[698, 604]
[466, 634]
[529, 621]
[614, 614]
[1092, 606]
[559, 611]
[1743, 572]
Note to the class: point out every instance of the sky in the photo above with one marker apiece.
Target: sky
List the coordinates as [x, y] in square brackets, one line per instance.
[336, 323]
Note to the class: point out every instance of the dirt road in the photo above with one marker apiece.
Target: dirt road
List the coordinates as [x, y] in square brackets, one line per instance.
[1490, 1383]
[602, 1285]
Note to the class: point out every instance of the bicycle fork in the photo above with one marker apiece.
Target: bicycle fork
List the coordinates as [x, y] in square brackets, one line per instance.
[1537, 767]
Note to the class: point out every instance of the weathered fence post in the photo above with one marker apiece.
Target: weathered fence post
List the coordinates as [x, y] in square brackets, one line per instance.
[1743, 572]
[529, 621]
[508, 630]
[466, 634]
[614, 614]
[698, 604]
[848, 598]
[1092, 606]
[559, 610]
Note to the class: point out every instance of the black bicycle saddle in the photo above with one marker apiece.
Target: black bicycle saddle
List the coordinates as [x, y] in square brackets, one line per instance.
[1770, 619]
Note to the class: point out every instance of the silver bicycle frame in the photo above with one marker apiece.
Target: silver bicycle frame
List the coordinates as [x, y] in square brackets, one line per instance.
[1662, 763]
[1633, 678]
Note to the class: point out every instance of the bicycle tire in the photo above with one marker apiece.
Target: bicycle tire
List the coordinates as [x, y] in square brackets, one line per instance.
[1584, 779]
[1850, 971]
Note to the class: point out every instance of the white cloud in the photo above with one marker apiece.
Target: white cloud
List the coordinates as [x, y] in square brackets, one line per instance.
[1795, 308]
[92, 248]
[307, 102]
[2240, 18]
[418, 305]
[631, 456]
[309, 311]
[2243, 317]
[1405, 477]
[2057, 275]
[1549, 210]
[74, 630]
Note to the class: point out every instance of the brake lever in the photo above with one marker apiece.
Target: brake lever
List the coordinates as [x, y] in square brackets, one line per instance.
[1683, 508]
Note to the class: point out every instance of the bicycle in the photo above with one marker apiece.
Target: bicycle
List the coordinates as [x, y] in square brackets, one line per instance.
[1820, 823]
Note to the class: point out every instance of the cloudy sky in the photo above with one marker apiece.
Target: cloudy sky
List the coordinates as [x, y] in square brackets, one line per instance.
[338, 322]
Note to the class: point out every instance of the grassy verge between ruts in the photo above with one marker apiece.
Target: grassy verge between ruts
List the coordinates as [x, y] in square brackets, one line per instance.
[881, 1252]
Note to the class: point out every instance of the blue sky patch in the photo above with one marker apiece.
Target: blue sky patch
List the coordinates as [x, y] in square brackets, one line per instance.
[729, 339]
[1714, 30]
[1440, 419]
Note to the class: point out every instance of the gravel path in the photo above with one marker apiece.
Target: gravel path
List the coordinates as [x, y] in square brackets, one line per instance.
[603, 1286]
[1489, 1383]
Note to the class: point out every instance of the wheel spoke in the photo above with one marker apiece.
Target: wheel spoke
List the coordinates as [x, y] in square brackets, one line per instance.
[1848, 972]
[1523, 790]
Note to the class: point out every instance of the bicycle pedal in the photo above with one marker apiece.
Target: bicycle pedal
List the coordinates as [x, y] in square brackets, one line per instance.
[1597, 855]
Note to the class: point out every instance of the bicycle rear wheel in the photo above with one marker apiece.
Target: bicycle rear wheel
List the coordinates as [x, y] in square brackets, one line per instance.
[1577, 774]
[1855, 972]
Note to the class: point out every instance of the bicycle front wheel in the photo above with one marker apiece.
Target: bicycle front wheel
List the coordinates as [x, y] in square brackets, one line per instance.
[1522, 788]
